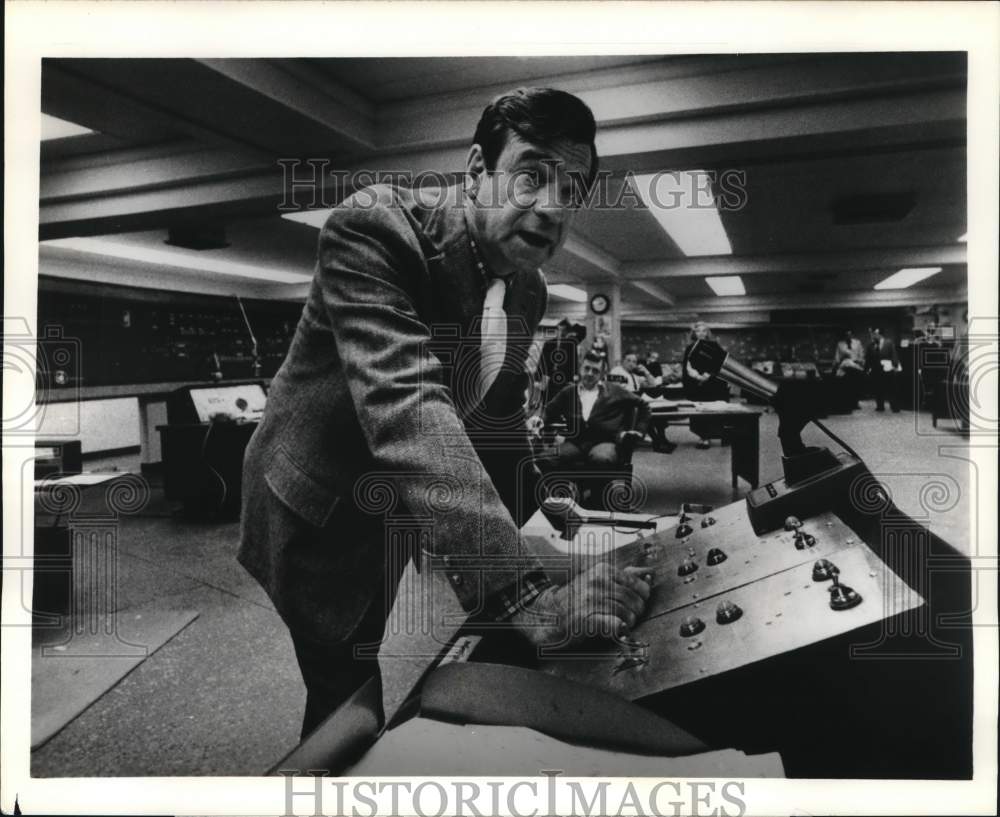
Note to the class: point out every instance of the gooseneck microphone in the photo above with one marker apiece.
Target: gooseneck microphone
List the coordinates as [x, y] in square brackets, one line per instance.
[710, 358]
[254, 354]
[794, 406]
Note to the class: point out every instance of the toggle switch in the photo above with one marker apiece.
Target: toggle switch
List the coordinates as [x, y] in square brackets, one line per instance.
[684, 529]
[687, 566]
[843, 597]
[632, 655]
[692, 625]
[716, 556]
[707, 521]
[792, 523]
[824, 570]
[727, 612]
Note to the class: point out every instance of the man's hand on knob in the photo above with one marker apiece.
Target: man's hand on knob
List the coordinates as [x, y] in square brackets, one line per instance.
[603, 602]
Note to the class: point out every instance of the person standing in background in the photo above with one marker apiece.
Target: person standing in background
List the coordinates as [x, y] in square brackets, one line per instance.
[700, 387]
[850, 366]
[882, 365]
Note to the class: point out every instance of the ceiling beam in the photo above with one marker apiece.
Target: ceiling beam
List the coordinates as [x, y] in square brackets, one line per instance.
[668, 143]
[655, 122]
[869, 299]
[593, 255]
[306, 92]
[656, 291]
[129, 171]
[69, 92]
[655, 92]
[849, 261]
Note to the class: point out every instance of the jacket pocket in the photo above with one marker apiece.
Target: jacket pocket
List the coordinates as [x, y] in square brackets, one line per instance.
[298, 491]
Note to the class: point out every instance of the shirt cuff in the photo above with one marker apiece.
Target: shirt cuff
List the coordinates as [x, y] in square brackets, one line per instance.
[511, 600]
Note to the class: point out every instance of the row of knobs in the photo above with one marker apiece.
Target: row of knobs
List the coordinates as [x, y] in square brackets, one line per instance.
[842, 597]
[725, 613]
[715, 556]
[684, 529]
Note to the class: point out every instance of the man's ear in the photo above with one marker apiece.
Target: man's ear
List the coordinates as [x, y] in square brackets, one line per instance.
[475, 169]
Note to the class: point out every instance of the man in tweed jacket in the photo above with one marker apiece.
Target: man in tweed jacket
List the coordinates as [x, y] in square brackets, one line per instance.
[374, 423]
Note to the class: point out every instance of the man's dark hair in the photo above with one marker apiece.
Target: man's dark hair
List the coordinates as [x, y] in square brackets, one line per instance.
[591, 356]
[541, 116]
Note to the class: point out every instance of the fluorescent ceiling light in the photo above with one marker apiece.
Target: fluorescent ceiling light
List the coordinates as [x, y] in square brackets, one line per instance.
[683, 204]
[907, 277]
[190, 260]
[567, 293]
[312, 218]
[726, 284]
[53, 128]
[963, 237]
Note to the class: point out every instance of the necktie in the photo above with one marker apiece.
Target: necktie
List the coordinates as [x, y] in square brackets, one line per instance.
[494, 336]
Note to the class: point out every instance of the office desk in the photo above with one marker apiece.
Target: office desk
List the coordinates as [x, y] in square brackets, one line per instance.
[203, 464]
[72, 514]
[740, 424]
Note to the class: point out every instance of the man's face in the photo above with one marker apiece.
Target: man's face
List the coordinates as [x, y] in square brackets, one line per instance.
[654, 357]
[700, 331]
[524, 208]
[630, 362]
[590, 373]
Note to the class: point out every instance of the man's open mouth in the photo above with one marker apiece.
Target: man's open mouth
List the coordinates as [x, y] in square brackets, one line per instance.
[534, 239]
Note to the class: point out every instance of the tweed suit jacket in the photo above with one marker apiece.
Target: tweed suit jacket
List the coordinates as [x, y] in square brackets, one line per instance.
[374, 441]
[615, 410]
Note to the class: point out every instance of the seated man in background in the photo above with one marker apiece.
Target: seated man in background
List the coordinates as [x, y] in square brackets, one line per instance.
[603, 420]
[631, 375]
[635, 377]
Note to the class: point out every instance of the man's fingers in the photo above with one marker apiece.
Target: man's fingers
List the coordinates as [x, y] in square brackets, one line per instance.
[628, 583]
[640, 579]
[614, 597]
[604, 625]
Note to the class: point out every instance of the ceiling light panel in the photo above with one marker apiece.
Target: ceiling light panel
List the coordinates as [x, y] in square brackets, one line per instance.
[181, 260]
[907, 277]
[685, 207]
[54, 128]
[726, 284]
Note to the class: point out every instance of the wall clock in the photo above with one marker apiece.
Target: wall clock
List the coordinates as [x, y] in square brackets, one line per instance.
[599, 304]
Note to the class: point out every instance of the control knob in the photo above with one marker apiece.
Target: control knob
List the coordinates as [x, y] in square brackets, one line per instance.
[727, 612]
[716, 556]
[843, 597]
[692, 625]
[824, 570]
[792, 523]
[687, 567]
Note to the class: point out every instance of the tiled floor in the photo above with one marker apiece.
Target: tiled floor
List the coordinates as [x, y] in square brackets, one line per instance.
[223, 697]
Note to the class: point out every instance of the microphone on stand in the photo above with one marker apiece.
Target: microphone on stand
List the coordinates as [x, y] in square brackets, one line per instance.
[254, 353]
